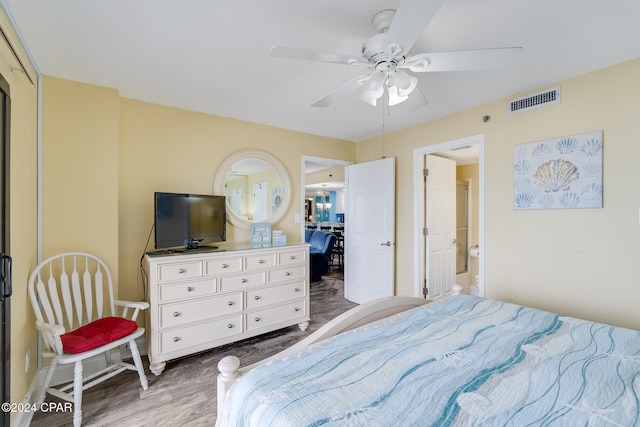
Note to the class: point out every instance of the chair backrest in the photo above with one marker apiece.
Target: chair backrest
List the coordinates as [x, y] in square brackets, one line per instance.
[307, 234]
[321, 242]
[70, 290]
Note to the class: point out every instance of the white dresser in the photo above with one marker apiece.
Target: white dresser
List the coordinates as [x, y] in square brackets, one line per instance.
[203, 300]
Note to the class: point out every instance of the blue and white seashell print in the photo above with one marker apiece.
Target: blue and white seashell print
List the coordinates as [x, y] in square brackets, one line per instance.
[521, 183]
[570, 200]
[566, 145]
[592, 170]
[541, 151]
[546, 200]
[592, 191]
[591, 147]
[522, 167]
[562, 172]
[523, 200]
[520, 152]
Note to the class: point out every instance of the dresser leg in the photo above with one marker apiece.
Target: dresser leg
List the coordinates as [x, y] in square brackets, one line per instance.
[303, 326]
[157, 368]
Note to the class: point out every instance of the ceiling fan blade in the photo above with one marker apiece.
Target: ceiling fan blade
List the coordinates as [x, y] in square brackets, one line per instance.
[481, 59]
[314, 55]
[409, 23]
[340, 92]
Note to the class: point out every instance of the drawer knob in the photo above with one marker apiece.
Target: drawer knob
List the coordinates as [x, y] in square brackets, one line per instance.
[230, 303]
[190, 289]
[176, 314]
[296, 309]
[296, 289]
[230, 325]
[182, 270]
[243, 281]
[292, 257]
[261, 261]
[225, 265]
[257, 297]
[287, 274]
[176, 339]
[257, 319]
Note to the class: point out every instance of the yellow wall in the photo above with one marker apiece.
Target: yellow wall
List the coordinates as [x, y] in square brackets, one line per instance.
[578, 262]
[333, 174]
[80, 170]
[22, 208]
[166, 149]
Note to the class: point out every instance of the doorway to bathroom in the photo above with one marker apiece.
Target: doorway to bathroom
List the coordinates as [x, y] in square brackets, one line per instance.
[448, 217]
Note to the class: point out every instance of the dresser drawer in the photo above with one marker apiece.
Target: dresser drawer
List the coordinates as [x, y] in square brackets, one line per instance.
[260, 261]
[224, 265]
[290, 273]
[248, 280]
[193, 311]
[293, 257]
[178, 291]
[179, 271]
[270, 316]
[275, 294]
[190, 336]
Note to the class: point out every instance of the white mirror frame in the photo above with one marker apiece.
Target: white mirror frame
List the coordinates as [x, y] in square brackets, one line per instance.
[225, 167]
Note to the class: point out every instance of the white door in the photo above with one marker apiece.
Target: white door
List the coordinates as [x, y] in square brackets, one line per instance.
[370, 230]
[260, 196]
[237, 202]
[441, 226]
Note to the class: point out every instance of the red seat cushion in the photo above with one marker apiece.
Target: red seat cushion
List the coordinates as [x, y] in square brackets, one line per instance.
[97, 333]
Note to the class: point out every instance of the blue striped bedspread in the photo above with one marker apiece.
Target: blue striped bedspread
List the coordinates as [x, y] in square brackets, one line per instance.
[464, 361]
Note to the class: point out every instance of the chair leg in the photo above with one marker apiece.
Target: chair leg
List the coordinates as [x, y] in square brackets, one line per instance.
[47, 380]
[107, 357]
[137, 360]
[77, 394]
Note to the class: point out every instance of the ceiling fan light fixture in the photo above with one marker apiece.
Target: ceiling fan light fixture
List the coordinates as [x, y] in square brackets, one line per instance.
[405, 90]
[400, 79]
[395, 97]
[376, 81]
[370, 96]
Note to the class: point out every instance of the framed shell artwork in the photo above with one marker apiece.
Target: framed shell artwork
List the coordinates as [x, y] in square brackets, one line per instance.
[562, 173]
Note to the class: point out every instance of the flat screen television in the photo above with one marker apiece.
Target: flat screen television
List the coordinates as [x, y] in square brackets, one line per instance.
[189, 220]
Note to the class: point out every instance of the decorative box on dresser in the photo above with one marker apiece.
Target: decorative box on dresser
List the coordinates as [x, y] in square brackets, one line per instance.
[203, 300]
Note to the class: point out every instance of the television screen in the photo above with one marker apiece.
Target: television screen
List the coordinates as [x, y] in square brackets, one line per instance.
[189, 220]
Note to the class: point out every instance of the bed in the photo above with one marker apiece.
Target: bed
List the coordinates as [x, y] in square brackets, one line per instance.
[463, 360]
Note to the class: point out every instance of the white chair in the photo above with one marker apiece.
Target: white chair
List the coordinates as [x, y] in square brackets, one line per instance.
[72, 297]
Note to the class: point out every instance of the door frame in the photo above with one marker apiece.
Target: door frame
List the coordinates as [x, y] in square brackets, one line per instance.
[419, 208]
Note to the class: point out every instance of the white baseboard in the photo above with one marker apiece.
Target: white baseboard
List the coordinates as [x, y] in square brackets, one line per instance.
[64, 374]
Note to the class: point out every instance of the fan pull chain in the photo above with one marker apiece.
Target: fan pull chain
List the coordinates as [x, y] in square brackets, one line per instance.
[384, 102]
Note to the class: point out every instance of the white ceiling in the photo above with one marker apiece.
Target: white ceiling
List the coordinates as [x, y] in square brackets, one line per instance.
[213, 56]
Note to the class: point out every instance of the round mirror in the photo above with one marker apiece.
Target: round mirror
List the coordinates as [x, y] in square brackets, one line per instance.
[256, 186]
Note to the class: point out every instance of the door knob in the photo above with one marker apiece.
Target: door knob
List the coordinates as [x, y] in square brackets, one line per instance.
[387, 243]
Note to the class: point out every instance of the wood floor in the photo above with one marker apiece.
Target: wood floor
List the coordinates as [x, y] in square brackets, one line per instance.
[185, 393]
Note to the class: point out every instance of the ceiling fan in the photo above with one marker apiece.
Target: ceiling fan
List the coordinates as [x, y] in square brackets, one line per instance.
[388, 53]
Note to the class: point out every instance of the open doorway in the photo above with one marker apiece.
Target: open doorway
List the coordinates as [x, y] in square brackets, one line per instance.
[323, 191]
[324, 198]
[466, 267]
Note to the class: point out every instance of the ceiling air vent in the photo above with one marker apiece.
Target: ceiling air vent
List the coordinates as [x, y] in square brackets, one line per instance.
[536, 100]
